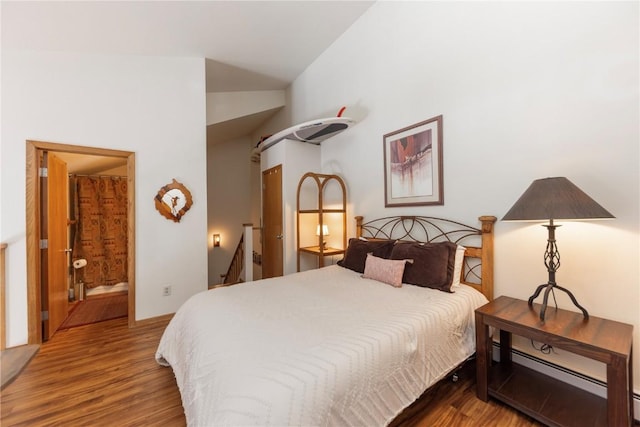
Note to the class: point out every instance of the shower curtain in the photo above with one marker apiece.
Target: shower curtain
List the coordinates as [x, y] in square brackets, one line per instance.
[101, 229]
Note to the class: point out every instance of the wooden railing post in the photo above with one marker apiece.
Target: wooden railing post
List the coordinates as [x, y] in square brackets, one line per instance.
[248, 252]
[3, 319]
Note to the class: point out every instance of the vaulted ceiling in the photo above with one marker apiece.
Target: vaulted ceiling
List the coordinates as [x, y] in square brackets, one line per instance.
[248, 45]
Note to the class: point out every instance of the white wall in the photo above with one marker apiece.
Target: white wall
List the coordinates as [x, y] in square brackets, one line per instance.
[229, 179]
[224, 106]
[152, 106]
[527, 90]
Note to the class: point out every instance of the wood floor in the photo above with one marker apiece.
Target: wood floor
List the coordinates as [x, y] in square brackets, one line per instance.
[105, 374]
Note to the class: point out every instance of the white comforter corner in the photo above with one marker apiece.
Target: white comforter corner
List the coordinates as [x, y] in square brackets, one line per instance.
[322, 347]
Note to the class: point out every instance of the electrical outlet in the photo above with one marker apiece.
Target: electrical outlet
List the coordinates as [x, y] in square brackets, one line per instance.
[166, 291]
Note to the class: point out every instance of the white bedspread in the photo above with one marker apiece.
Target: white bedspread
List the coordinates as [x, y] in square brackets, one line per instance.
[318, 348]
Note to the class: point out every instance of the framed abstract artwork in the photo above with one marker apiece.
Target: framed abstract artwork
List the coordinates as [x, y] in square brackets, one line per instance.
[413, 165]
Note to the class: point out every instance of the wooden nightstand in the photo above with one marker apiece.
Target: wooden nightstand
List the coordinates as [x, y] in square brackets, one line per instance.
[547, 399]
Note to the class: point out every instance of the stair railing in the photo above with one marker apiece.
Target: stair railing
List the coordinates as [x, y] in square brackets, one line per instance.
[3, 284]
[241, 267]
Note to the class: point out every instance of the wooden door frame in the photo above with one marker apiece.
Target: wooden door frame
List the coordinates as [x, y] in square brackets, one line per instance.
[34, 303]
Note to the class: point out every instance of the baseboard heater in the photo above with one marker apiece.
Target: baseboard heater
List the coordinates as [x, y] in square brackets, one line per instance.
[584, 382]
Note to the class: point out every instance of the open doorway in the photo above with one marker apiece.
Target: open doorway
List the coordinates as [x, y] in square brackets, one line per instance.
[43, 302]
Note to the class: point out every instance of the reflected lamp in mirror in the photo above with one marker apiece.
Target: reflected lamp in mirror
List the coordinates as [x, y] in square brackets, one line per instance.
[554, 199]
[216, 240]
[325, 232]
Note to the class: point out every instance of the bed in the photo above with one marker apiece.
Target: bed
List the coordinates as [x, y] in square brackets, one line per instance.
[333, 346]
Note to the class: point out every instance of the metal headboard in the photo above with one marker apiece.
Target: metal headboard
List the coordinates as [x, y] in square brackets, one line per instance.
[478, 264]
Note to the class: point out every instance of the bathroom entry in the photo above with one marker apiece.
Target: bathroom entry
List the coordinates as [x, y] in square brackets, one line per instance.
[98, 239]
[50, 300]
[86, 223]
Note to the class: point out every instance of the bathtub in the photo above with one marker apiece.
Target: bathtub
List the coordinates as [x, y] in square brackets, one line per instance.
[118, 287]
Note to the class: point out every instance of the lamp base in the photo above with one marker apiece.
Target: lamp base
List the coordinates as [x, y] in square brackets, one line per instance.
[548, 287]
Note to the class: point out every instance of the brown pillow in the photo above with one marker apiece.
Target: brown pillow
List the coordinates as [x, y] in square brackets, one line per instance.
[357, 250]
[433, 264]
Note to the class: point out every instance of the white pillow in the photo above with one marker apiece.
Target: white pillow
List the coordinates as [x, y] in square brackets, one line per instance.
[457, 266]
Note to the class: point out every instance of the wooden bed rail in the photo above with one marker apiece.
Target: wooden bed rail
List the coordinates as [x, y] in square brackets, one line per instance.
[478, 264]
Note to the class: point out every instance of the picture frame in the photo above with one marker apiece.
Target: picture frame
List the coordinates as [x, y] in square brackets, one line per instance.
[173, 201]
[413, 165]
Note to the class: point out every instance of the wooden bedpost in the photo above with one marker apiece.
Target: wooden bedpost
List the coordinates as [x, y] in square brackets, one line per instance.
[487, 255]
[359, 226]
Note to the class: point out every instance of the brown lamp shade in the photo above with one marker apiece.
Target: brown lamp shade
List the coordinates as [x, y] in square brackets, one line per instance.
[555, 198]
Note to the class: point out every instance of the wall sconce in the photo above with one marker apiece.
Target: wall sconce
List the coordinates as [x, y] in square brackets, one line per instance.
[216, 240]
[325, 232]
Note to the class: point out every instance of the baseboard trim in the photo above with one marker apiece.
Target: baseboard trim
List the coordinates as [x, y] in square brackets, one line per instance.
[576, 379]
[153, 320]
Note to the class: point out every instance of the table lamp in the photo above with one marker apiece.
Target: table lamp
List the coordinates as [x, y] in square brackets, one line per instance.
[325, 232]
[554, 199]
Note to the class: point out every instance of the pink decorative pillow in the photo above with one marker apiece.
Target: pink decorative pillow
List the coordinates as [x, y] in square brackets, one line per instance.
[385, 270]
